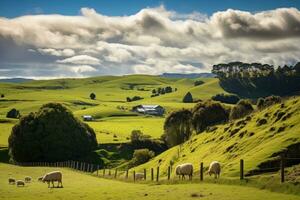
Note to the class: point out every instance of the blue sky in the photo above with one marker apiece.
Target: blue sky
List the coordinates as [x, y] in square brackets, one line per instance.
[13, 8]
[92, 38]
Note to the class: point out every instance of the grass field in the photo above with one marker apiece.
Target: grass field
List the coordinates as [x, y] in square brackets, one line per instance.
[82, 186]
[110, 107]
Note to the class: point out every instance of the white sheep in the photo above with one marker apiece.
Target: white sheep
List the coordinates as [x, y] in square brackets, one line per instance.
[11, 181]
[53, 176]
[20, 183]
[28, 179]
[214, 168]
[139, 176]
[184, 169]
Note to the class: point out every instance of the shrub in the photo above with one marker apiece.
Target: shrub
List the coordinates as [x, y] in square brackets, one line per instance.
[137, 135]
[199, 82]
[153, 91]
[226, 98]
[128, 99]
[2, 95]
[141, 156]
[168, 89]
[188, 98]
[207, 114]
[135, 98]
[13, 113]
[177, 127]
[268, 101]
[51, 134]
[92, 96]
[242, 109]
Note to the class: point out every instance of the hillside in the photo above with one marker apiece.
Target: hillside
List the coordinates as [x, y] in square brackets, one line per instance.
[114, 120]
[257, 139]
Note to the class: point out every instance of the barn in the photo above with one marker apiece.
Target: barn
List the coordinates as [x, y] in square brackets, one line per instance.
[149, 109]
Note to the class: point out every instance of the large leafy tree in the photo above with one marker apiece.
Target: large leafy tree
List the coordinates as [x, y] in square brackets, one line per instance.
[51, 134]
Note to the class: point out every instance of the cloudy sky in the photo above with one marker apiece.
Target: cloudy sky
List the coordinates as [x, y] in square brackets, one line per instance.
[39, 40]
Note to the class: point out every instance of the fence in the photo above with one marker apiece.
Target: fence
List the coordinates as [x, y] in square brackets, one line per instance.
[155, 173]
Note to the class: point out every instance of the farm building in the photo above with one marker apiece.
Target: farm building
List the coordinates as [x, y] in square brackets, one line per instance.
[149, 109]
[87, 118]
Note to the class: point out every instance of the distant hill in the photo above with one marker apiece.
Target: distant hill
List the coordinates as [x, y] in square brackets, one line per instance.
[191, 75]
[15, 80]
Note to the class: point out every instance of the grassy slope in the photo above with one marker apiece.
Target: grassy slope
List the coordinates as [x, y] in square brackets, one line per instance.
[254, 149]
[82, 186]
[111, 93]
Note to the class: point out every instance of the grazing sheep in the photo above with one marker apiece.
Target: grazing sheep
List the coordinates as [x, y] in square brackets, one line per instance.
[28, 179]
[20, 183]
[40, 178]
[139, 176]
[53, 176]
[215, 168]
[11, 181]
[184, 169]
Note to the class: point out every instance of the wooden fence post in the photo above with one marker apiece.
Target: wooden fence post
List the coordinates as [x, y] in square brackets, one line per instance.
[157, 174]
[97, 170]
[169, 172]
[201, 171]
[145, 174]
[241, 169]
[116, 173]
[152, 174]
[134, 176]
[109, 173]
[104, 172]
[127, 174]
[282, 169]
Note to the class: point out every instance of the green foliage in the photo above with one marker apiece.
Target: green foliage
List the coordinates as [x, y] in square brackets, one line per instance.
[268, 101]
[51, 134]
[2, 96]
[198, 82]
[188, 98]
[177, 127]
[141, 156]
[207, 114]
[226, 98]
[135, 98]
[93, 96]
[242, 109]
[13, 113]
[137, 135]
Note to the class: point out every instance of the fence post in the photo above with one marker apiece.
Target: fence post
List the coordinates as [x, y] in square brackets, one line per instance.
[127, 174]
[152, 174]
[282, 169]
[109, 173]
[116, 172]
[157, 174]
[201, 171]
[134, 176]
[104, 172]
[241, 169]
[97, 170]
[145, 174]
[169, 172]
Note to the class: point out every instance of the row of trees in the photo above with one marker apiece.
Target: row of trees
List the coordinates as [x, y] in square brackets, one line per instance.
[162, 91]
[135, 98]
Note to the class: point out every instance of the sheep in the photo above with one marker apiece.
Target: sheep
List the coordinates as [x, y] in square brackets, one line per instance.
[184, 169]
[214, 168]
[28, 179]
[53, 176]
[20, 183]
[139, 176]
[11, 181]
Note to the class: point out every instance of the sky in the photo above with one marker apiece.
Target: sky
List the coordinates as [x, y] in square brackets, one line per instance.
[81, 38]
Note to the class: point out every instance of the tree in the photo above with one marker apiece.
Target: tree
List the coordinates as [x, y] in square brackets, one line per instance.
[188, 98]
[13, 113]
[153, 91]
[242, 109]
[207, 114]
[141, 156]
[2, 95]
[168, 89]
[177, 127]
[163, 91]
[92, 96]
[226, 98]
[198, 82]
[51, 134]
[128, 99]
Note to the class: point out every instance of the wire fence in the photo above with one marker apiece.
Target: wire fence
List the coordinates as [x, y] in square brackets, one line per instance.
[155, 174]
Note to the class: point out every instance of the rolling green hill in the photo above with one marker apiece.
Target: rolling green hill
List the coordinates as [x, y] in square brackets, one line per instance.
[258, 139]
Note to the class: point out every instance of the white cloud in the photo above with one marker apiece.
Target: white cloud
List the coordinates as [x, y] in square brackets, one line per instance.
[152, 41]
[81, 59]
[82, 68]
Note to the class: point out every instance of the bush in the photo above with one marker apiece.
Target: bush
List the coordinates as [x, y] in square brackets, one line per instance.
[2, 95]
[135, 98]
[51, 134]
[242, 109]
[92, 96]
[13, 113]
[177, 127]
[141, 156]
[137, 135]
[207, 114]
[188, 98]
[168, 89]
[199, 82]
[268, 101]
[226, 98]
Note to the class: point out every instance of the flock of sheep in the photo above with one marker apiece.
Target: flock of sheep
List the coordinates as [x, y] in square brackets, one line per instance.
[48, 178]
